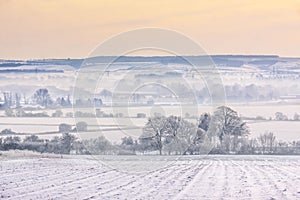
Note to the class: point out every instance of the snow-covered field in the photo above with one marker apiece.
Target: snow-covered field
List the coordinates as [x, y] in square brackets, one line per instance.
[189, 177]
[283, 130]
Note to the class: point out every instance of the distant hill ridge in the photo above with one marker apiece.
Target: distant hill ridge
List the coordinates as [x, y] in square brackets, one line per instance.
[223, 60]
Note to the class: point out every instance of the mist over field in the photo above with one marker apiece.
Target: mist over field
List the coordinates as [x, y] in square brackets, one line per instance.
[264, 90]
[155, 127]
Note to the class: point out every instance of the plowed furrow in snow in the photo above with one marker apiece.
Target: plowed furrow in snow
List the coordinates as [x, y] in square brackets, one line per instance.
[107, 191]
[54, 185]
[201, 185]
[290, 168]
[239, 181]
[78, 189]
[215, 177]
[35, 179]
[172, 183]
[285, 182]
[38, 175]
[268, 181]
[25, 170]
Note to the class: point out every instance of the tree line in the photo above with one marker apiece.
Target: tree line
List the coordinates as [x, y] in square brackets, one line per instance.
[42, 97]
[223, 132]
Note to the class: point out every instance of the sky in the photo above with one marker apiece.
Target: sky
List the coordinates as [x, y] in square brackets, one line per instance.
[73, 28]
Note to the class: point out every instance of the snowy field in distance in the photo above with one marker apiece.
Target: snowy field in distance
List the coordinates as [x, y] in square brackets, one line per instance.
[283, 130]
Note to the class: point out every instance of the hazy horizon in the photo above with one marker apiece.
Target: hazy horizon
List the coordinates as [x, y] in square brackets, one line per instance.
[236, 55]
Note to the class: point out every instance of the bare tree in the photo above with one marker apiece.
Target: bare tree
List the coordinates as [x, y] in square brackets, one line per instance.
[98, 145]
[42, 97]
[18, 100]
[180, 134]
[67, 141]
[267, 142]
[263, 141]
[172, 134]
[226, 121]
[7, 99]
[155, 129]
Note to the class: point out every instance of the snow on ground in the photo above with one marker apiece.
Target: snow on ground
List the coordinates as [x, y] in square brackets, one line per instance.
[283, 130]
[190, 177]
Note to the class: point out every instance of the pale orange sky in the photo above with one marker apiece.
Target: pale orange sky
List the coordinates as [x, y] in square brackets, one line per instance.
[73, 28]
